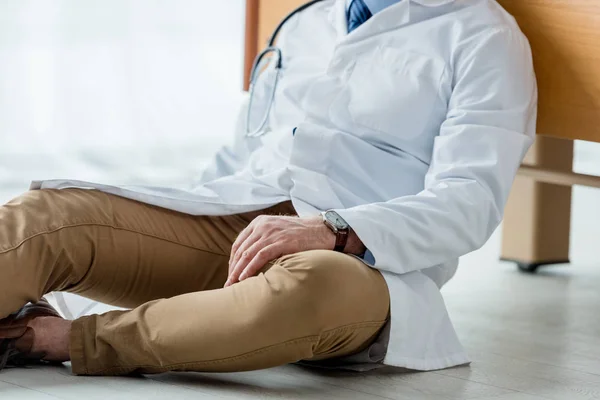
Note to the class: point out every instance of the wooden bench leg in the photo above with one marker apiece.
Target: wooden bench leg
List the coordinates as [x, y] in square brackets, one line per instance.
[537, 220]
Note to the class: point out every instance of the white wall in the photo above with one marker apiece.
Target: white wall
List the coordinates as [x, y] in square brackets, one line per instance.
[123, 90]
[115, 90]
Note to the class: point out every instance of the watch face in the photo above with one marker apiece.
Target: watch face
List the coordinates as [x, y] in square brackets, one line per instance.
[336, 220]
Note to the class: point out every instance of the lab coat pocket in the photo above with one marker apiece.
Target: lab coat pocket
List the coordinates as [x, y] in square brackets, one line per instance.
[394, 92]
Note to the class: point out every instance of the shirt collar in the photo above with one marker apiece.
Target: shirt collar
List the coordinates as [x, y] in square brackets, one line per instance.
[433, 3]
[376, 6]
[397, 14]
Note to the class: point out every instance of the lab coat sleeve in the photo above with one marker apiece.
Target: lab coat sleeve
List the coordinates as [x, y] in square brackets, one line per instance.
[489, 127]
[232, 157]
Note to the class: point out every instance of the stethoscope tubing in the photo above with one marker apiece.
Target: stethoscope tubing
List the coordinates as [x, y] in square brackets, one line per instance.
[259, 131]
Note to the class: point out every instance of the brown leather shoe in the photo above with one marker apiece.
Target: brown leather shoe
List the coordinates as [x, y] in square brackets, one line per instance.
[16, 338]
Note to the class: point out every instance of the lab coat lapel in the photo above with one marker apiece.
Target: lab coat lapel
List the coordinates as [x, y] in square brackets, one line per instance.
[337, 17]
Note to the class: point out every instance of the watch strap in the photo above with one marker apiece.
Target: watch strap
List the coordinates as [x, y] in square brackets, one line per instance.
[341, 239]
[341, 233]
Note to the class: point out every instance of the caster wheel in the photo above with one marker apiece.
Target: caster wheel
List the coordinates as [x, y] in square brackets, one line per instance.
[528, 268]
[531, 268]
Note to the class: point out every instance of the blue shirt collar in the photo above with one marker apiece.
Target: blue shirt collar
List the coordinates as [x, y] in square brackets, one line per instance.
[376, 6]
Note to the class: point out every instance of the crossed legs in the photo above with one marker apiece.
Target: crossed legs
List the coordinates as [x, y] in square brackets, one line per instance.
[169, 269]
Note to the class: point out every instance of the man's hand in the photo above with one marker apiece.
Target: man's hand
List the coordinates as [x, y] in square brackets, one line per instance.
[270, 237]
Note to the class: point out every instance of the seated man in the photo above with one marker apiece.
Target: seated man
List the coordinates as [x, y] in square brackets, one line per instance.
[405, 121]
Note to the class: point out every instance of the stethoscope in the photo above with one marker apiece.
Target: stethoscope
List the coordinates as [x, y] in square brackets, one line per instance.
[277, 53]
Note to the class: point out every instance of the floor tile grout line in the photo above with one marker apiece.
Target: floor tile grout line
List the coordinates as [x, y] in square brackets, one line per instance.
[532, 362]
[31, 389]
[474, 381]
[545, 363]
[194, 390]
[498, 387]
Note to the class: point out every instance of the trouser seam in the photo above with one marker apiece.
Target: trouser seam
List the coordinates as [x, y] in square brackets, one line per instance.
[105, 225]
[83, 354]
[170, 367]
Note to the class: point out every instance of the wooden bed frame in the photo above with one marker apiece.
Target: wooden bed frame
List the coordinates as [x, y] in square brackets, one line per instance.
[566, 47]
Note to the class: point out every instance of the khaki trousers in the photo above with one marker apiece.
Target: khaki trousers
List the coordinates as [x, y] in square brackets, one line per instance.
[170, 268]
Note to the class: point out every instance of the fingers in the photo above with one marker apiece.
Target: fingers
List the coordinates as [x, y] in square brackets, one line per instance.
[253, 260]
[244, 255]
[239, 241]
[264, 240]
[261, 259]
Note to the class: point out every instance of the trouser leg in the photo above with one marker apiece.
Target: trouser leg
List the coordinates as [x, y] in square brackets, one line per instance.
[108, 248]
[308, 306]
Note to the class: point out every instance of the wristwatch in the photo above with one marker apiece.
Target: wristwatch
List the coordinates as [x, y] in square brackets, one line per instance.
[336, 223]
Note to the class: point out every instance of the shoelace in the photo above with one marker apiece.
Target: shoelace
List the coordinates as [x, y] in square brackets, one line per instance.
[7, 350]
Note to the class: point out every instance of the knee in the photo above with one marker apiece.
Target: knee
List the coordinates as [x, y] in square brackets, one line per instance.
[27, 199]
[43, 211]
[38, 202]
[317, 269]
[326, 282]
[324, 269]
[21, 217]
[52, 209]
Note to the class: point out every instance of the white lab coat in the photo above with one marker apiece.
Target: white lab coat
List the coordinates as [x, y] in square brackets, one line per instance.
[412, 127]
